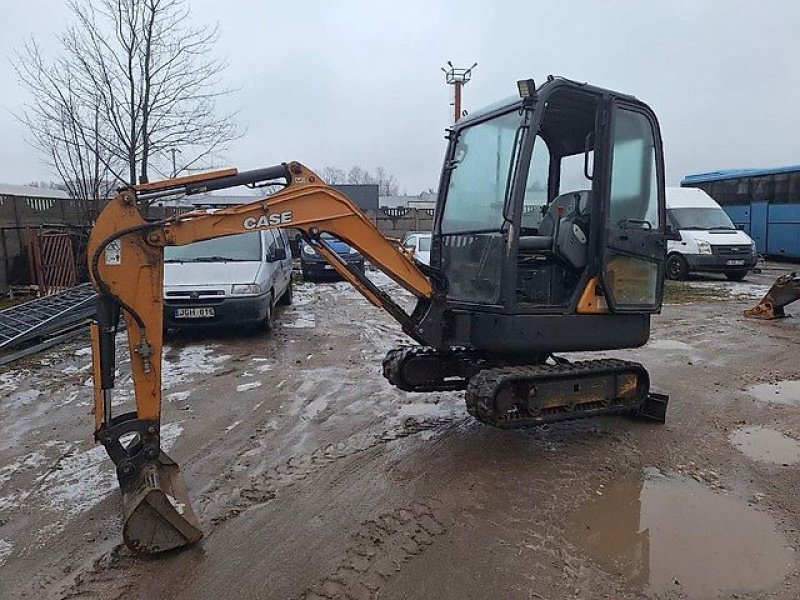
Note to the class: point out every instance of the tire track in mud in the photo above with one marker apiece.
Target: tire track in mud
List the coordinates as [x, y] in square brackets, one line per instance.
[265, 487]
[381, 544]
[378, 550]
[108, 578]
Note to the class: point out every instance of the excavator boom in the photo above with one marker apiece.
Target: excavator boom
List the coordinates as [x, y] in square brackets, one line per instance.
[126, 260]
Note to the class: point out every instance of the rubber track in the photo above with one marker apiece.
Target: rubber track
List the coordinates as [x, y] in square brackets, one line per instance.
[395, 359]
[484, 386]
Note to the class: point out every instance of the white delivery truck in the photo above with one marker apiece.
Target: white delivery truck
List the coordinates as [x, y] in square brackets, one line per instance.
[709, 242]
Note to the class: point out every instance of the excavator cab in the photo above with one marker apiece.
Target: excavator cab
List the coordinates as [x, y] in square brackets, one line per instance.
[549, 237]
[550, 224]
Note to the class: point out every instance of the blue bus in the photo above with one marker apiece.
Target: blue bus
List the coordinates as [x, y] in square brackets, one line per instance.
[765, 203]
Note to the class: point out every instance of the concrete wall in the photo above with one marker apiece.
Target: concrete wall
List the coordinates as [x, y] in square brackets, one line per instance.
[396, 222]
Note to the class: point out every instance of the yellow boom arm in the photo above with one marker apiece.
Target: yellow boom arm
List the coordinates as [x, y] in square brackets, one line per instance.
[126, 260]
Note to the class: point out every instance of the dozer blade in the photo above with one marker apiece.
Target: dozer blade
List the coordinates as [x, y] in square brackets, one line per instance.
[156, 509]
[784, 291]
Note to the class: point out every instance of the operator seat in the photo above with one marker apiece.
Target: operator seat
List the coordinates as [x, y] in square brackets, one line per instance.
[564, 229]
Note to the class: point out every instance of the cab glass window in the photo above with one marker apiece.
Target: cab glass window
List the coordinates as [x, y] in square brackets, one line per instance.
[634, 189]
[479, 174]
[534, 204]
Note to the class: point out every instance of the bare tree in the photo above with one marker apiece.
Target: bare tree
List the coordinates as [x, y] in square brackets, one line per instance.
[134, 83]
[386, 182]
[357, 175]
[333, 175]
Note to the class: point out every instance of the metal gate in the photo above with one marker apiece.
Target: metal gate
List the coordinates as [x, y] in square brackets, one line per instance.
[51, 255]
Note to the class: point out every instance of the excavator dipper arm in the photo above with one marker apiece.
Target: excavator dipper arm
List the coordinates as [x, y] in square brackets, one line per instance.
[126, 263]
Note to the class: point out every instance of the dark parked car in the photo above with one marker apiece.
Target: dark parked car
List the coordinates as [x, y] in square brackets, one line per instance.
[316, 267]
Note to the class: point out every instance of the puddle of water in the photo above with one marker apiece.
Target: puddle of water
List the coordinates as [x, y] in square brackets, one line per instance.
[668, 534]
[780, 392]
[768, 445]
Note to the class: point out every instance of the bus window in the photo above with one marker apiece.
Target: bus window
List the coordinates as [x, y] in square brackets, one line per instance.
[762, 188]
[781, 192]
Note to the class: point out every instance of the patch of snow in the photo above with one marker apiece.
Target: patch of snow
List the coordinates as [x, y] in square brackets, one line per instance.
[379, 278]
[22, 398]
[5, 551]
[302, 321]
[303, 294]
[10, 380]
[178, 396]
[31, 461]
[192, 360]
[264, 368]
[85, 478]
[259, 359]
[70, 398]
[668, 345]
[87, 351]
[315, 407]
[232, 426]
[243, 387]
[421, 409]
[746, 290]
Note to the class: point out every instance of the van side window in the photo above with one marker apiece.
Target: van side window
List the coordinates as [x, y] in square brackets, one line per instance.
[271, 245]
[279, 241]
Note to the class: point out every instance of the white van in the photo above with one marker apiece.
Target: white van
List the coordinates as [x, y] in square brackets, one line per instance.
[420, 243]
[231, 280]
[709, 242]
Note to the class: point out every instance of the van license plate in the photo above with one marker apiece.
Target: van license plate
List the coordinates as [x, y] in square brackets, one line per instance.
[194, 313]
[735, 263]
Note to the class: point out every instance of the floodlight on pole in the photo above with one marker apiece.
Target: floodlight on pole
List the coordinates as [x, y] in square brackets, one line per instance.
[458, 78]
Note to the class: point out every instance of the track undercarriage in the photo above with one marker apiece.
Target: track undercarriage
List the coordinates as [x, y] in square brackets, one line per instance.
[516, 393]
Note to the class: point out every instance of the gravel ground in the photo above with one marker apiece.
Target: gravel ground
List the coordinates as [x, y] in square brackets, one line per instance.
[313, 478]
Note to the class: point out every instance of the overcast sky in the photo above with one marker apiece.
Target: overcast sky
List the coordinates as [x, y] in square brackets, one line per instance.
[359, 82]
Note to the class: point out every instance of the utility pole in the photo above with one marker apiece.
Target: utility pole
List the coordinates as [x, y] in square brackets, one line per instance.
[458, 79]
[174, 163]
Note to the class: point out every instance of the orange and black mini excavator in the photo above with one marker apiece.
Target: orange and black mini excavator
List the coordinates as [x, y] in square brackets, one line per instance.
[549, 237]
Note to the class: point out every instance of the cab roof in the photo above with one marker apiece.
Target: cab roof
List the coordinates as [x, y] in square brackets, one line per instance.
[549, 83]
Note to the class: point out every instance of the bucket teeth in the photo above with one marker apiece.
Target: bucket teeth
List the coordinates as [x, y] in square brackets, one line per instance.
[158, 515]
[784, 291]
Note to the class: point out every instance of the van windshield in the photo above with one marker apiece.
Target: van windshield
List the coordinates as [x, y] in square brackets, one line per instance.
[424, 243]
[242, 247]
[706, 218]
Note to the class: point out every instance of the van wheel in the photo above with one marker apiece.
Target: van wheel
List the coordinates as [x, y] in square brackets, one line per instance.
[286, 299]
[736, 275]
[677, 268]
[266, 324]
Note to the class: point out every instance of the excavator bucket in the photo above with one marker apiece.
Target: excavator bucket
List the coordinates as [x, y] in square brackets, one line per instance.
[784, 291]
[156, 509]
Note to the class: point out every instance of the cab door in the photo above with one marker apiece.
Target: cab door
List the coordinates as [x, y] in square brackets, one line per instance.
[635, 244]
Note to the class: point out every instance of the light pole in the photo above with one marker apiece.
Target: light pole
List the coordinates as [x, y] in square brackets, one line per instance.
[457, 78]
[174, 163]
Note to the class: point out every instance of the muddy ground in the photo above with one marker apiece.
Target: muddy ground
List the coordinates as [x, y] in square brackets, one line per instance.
[313, 478]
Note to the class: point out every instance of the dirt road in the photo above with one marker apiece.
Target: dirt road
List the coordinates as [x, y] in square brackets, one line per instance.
[313, 478]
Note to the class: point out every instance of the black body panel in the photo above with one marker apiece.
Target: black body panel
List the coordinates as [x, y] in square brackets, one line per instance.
[514, 334]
